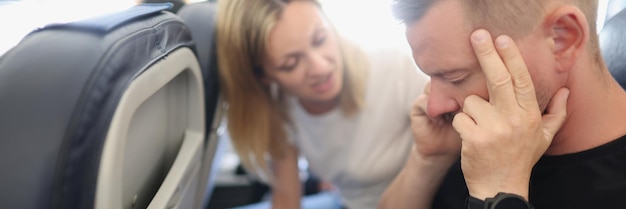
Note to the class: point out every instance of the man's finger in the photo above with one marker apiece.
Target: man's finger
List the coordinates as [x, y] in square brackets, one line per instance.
[501, 93]
[556, 113]
[464, 125]
[479, 110]
[522, 82]
[419, 105]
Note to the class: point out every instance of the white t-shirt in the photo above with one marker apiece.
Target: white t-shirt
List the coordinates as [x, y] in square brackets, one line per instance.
[362, 154]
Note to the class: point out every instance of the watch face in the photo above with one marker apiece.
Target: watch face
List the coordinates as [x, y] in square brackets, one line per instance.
[510, 202]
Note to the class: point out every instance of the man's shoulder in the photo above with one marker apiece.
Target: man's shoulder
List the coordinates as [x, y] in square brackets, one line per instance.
[594, 178]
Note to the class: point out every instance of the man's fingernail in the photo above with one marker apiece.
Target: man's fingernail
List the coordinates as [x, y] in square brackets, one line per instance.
[502, 42]
[479, 36]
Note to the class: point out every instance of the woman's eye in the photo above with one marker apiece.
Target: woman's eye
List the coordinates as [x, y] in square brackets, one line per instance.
[290, 64]
[319, 38]
[319, 41]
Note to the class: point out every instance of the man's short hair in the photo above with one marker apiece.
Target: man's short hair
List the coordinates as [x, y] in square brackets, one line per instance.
[515, 18]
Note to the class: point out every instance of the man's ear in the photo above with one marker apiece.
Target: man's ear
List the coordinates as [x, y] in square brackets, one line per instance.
[569, 32]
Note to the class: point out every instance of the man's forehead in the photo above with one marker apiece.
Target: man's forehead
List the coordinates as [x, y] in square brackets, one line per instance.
[443, 18]
[440, 40]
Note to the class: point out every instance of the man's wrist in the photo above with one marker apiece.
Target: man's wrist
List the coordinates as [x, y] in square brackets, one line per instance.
[513, 185]
[499, 201]
[484, 194]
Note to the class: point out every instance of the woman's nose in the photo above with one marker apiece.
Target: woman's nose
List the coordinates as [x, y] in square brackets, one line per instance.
[319, 64]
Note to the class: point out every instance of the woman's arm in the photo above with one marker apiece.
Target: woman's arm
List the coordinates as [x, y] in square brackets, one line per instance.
[286, 188]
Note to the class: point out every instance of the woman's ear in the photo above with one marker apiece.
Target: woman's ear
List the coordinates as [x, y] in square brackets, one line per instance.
[569, 31]
[260, 74]
[265, 80]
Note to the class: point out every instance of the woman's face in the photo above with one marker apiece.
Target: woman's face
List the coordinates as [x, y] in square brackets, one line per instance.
[303, 54]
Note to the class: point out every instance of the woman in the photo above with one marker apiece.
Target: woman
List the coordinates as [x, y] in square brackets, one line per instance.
[294, 87]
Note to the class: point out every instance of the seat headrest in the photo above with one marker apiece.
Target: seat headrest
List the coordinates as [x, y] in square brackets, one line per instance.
[613, 46]
[106, 23]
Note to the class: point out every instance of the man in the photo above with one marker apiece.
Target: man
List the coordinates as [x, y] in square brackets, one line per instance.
[534, 116]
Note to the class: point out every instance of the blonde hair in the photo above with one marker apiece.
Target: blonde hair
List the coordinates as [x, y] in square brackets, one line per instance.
[256, 122]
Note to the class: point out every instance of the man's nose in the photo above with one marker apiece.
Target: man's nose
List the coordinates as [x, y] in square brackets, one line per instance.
[440, 103]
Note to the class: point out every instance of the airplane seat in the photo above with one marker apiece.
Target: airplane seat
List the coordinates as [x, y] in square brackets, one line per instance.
[200, 17]
[613, 46]
[103, 113]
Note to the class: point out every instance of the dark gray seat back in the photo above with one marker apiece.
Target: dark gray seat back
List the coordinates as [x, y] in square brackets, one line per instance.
[102, 113]
[200, 18]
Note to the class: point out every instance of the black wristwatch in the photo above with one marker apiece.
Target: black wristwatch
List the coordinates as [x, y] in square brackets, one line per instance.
[500, 201]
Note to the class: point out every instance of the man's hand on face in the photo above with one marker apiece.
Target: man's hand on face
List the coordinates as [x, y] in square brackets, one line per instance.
[435, 139]
[504, 137]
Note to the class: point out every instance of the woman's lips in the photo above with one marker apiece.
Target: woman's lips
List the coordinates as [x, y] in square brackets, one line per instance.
[325, 85]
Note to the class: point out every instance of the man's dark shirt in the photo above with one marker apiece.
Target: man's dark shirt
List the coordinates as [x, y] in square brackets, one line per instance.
[592, 179]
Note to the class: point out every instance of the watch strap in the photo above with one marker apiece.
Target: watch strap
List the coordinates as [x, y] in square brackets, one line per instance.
[508, 201]
[489, 203]
[474, 203]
